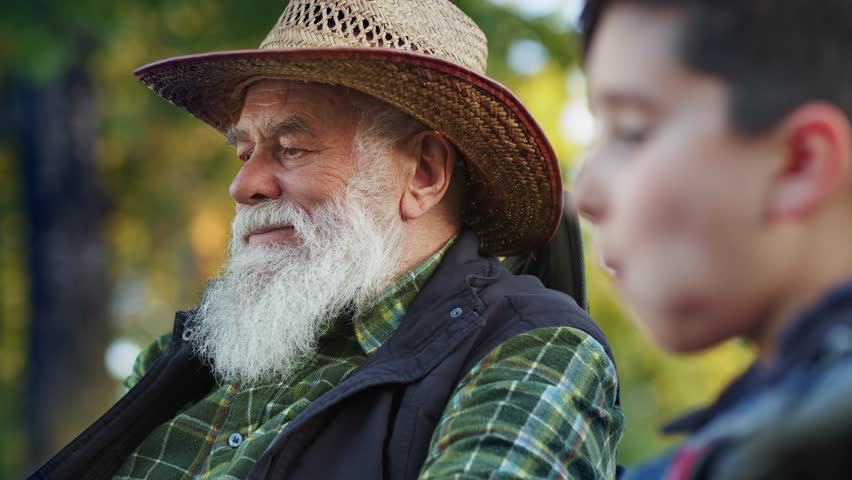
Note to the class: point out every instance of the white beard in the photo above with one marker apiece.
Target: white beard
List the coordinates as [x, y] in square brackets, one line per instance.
[263, 316]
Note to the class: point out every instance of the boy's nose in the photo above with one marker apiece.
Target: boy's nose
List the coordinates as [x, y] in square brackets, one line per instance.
[589, 198]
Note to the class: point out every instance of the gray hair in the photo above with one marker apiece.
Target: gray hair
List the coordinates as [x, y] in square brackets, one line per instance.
[382, 125]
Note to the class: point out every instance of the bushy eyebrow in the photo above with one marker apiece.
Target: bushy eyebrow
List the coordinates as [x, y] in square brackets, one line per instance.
[289, 126]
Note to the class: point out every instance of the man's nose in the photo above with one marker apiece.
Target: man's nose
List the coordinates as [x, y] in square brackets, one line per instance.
[256, 180]
[589, 192]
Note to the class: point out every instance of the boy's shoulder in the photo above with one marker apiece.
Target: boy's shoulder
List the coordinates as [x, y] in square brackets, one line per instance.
[801, 417]
[809, 384]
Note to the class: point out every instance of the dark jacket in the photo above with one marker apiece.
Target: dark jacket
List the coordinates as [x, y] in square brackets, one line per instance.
[380, 420]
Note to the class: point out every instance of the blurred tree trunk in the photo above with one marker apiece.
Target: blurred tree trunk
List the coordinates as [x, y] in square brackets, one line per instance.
[56, 127]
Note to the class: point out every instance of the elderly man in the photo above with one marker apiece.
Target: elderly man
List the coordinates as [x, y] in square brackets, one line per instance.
[362, 327]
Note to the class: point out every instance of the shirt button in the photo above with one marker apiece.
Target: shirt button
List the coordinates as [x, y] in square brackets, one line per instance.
[235, 440]
[456, 312]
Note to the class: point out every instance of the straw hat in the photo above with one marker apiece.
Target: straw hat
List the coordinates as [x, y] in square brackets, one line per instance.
[426, 58]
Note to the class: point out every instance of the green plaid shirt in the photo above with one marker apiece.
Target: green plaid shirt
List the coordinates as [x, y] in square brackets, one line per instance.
[541, 405]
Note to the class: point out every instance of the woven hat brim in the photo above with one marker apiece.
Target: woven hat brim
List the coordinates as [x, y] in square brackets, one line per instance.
[515, 184]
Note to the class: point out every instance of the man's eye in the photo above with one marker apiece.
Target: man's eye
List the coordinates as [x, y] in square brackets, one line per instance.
[292, 152]
[245, 156]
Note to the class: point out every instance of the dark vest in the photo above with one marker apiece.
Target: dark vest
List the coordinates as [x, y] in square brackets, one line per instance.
[380, 420]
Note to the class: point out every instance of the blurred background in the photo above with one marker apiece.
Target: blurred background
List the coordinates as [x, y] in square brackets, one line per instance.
[114, 207]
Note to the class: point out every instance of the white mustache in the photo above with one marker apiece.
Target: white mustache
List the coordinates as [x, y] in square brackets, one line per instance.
[266, 216]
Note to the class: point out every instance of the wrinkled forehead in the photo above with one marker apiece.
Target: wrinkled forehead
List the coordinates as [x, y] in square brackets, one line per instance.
[311, 107]
[299, 89]
[293, 94]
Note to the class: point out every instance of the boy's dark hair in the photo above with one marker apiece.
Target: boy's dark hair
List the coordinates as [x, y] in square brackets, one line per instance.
[774, 55]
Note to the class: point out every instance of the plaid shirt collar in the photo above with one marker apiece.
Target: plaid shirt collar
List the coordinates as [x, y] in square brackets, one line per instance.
[376, 325]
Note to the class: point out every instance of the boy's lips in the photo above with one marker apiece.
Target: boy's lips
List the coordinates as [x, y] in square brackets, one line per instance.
[611, 266]
[271, 234]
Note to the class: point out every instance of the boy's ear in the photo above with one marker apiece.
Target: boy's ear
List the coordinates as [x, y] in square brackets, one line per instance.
[816, 148]
[427, 183]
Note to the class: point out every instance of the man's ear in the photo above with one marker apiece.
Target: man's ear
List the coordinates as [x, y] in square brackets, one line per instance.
[427, 183]
[817, 152]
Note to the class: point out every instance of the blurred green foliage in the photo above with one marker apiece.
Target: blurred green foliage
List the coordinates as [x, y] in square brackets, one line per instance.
[166, 176]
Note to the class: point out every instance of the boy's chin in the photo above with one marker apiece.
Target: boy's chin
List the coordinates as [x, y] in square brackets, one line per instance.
[680, 332]
[684, 344]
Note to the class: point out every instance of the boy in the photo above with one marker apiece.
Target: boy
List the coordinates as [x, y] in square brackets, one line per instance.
[721, 191]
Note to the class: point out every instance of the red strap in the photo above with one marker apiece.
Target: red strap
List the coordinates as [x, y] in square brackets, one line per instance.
[684, 462]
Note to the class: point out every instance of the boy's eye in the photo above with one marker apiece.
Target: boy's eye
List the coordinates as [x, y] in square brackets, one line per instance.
[630, 136]
[629, 126]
